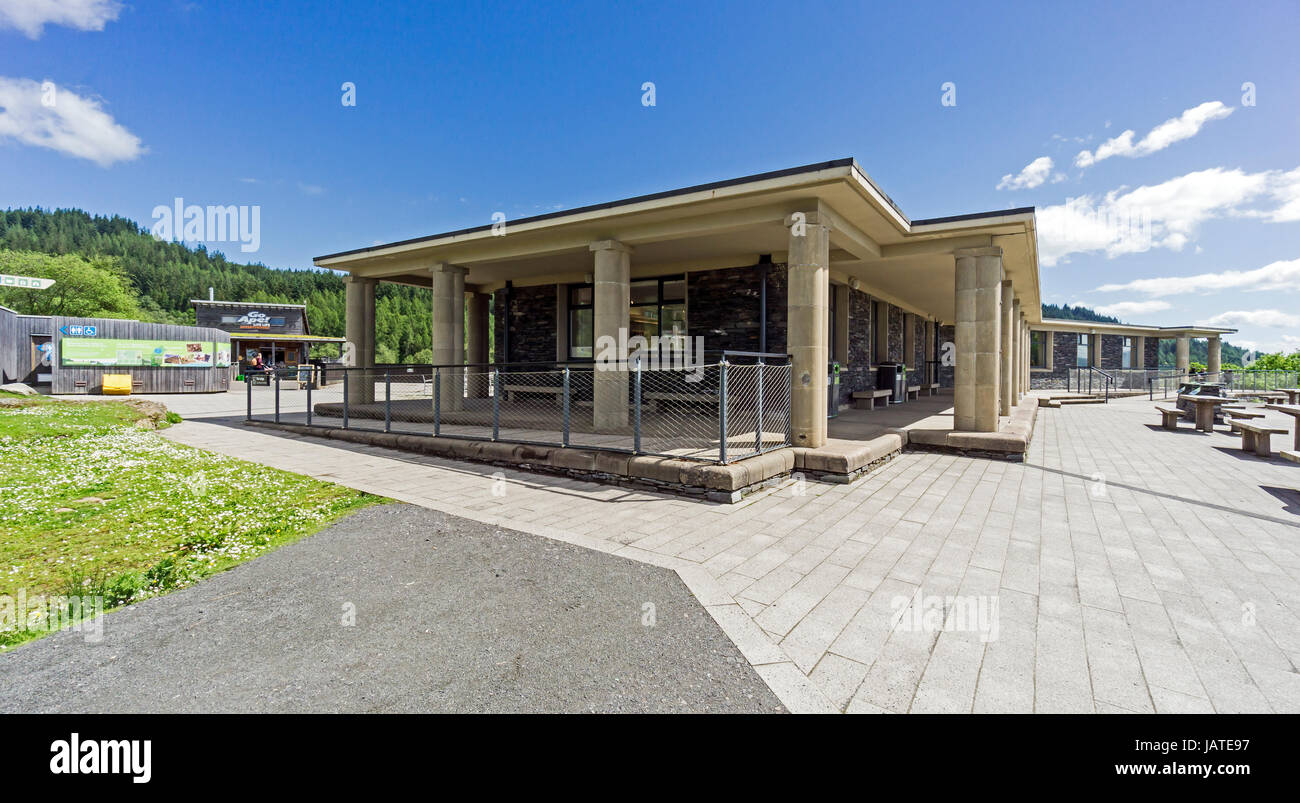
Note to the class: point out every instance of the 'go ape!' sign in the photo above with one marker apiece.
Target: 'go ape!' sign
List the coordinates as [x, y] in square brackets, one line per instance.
[26, 282]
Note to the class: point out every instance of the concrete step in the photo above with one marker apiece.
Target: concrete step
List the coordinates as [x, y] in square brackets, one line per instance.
[1086, 400]
[1063, 396]
[1287, 454]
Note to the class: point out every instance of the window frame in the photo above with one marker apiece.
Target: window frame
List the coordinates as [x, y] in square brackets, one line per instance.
[658, 304]
[1083, 340]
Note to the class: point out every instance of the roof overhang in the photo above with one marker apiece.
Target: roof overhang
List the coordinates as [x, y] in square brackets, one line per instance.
[729, 224]
[1097, 327]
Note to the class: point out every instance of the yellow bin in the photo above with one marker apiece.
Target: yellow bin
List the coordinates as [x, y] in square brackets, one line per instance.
[117, 384]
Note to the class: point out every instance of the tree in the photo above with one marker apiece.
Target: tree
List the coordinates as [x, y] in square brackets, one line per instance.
[94, 287]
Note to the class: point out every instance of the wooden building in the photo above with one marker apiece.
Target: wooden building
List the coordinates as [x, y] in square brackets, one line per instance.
[279, 332]
[63, 355]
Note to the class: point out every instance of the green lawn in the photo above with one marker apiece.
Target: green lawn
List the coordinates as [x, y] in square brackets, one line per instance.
[92, 505]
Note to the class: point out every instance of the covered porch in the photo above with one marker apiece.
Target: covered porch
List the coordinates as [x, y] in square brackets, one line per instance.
[814, 262]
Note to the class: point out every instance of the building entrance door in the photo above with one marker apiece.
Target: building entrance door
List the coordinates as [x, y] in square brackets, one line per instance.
[42, 360]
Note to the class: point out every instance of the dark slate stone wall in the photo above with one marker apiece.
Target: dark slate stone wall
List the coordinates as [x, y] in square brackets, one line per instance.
[1063, 345]
[532, 322]
[947, 334]
[724, 308]
[857, 375]
[1112, 351]
[916, 376]
[1152, 349]
[778, 280]
[895, 333]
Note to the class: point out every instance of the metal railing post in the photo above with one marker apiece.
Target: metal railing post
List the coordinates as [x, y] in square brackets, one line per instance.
[347, 382]
[309, 399]
[722, 410]
[277, 397]
[758, 428]
[437, 401]
[248, 383]
[636, 406]
[565, 440]
[388, 401]
[496, 402]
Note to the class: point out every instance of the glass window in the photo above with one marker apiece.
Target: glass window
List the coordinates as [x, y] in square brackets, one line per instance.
[580, 296]
[1126, 360]
[581, 322]
[580, 333]
[657, 308]
[1038, 349]
[1081, 352]
[672, 324]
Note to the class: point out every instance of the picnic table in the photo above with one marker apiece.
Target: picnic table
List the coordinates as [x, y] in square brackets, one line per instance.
[1205, 409]
[1292, 395]
[1292, 410]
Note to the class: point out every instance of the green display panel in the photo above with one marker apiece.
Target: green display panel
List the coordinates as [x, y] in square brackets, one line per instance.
[103, 351]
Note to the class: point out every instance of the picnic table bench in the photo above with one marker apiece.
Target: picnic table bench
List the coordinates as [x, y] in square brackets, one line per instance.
[868, 398]
[1170, 416]
[1255, 438]
[931, 389]
[1292, 410]
[913, 392]
[1236, 415]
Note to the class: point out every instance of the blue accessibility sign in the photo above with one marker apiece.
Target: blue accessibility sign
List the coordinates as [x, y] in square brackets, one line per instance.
[79, 330]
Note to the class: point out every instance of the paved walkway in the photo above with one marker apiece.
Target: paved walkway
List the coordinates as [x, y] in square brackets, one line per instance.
[399, 608]
[1133, 569]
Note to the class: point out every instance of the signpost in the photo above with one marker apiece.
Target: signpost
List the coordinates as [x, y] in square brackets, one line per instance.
[79, 330]
[27, 282]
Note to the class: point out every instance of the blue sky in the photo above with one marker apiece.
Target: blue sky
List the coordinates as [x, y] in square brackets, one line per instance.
[464, 110]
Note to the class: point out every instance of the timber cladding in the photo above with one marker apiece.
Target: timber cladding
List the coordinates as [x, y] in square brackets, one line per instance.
[145, 379]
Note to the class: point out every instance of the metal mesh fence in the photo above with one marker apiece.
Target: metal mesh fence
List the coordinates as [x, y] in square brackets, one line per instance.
[718, 412]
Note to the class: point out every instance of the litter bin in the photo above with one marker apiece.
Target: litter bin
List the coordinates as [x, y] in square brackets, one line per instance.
[833, 390]
[892, 376]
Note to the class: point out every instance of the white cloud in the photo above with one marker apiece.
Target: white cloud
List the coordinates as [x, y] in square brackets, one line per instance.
[310, 189]
[1273, 277]
[31, 16]
[1166, 215]
[1123, 308]
[1177, 129]
[1034, 174]
[1256, 317]
[49, 116]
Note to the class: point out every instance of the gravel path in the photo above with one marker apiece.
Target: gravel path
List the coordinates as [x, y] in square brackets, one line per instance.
[450, 615]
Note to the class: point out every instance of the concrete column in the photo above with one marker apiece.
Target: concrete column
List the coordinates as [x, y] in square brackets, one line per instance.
[610, 307]
[1139, 359]
[809, 275]
[476, 342]
[1007, 362]
[979, 339]
[1214, 362]
[359, 325]
[1026, 351]
[1183, 354]
[1017, 350]
[446, 316]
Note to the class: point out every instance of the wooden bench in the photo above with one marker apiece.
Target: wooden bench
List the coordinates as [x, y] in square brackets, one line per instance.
[913, 392]
[1255, 438]
[931, 389]
[1169, 416]
[1237, 415]
[867, 399]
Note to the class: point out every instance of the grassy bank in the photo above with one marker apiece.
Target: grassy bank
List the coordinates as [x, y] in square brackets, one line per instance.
[94, 505]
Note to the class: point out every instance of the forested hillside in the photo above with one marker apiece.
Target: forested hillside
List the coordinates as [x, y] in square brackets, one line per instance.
[1068, 313]
[161, 277]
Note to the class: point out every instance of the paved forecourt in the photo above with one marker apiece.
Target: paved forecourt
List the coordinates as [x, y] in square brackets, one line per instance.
[1132, 568]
